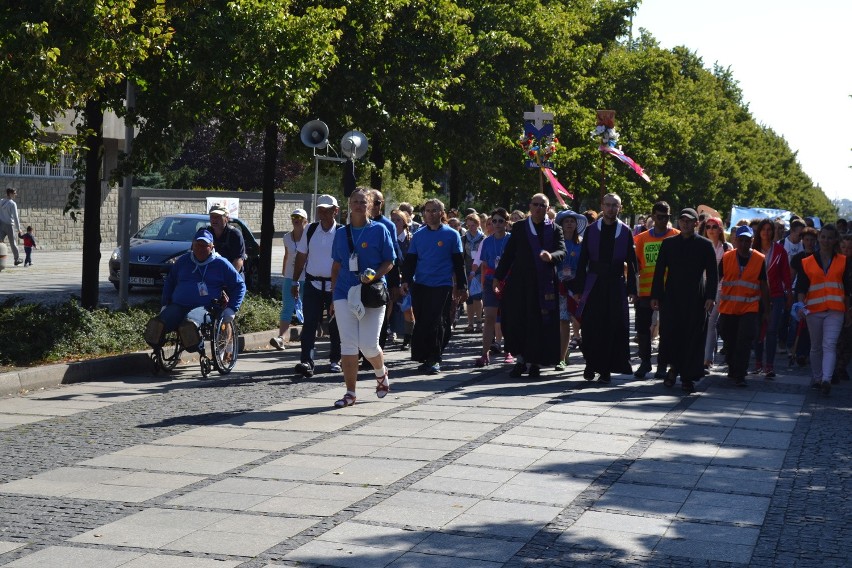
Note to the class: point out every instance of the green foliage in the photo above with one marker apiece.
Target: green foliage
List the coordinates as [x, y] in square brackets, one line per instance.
[32, 334]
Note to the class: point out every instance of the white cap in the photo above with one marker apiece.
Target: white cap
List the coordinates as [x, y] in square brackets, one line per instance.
[326, 201]
[300, 212]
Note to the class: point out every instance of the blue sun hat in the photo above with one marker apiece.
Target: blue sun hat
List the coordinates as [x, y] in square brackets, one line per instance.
[582, 222]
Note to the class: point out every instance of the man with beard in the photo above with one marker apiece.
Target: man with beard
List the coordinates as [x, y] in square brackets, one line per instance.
[530, 298]
[684, 296]
[602, 292]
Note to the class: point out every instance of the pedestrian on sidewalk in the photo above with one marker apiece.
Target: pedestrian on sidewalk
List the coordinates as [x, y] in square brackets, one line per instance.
[489, 257]
[10, 224]
[363, 253]
[314, 256]
[292, 289]
[743, 276]
[29, 244]
[603, 293]
[572, 224]
[780, 296]
[684, 292]
[715, 233]
[433, 272]
[647, 249]
[823, 288]
[529, 308]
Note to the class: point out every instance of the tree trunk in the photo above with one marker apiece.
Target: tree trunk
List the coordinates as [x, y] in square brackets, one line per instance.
[90, 287]
[267, 219]
[454, 185]
[377, 156]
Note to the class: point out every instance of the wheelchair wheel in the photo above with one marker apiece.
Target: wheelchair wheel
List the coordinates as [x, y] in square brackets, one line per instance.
[167, 356]
[225, 346]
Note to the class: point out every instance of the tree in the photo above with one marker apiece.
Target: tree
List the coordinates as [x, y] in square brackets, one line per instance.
[247, 66]
[72, 56]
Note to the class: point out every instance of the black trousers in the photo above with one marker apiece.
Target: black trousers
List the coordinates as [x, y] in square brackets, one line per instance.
[432, 321]
[314, 303]
[738, 334]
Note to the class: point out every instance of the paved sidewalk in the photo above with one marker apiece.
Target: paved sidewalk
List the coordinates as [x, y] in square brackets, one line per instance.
[469, 469]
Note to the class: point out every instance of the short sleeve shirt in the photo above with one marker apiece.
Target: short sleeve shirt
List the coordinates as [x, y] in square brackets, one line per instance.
[434, 250]
[373, 246]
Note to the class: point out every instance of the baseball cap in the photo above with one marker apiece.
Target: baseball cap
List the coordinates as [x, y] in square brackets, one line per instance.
[218, 209]
[745, 231]
[325, 201]
[299, 212]
[203, 235]
[689, 213]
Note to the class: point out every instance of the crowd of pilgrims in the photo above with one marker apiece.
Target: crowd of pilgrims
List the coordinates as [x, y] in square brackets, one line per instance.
[537, 284]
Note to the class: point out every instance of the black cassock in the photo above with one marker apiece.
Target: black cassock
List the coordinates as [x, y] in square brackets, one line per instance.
[686, 276]
[527, 331]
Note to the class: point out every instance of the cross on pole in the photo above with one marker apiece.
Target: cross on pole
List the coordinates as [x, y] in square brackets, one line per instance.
[538, 117]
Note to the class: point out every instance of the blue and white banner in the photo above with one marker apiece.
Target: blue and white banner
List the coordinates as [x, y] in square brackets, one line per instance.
[750, 213]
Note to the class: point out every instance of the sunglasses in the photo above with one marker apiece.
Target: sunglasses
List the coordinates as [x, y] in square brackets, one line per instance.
[536, 204]
[498, 221]
[296, 217]
[713, 227]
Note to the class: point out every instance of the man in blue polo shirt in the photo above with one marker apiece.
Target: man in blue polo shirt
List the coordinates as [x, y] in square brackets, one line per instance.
[433, 259]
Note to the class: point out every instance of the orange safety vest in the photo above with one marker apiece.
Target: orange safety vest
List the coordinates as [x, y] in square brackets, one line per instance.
[740, 288]
[647, 250]
[826, 290]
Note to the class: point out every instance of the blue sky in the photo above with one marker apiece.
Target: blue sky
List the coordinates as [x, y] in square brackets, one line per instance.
[791, 59]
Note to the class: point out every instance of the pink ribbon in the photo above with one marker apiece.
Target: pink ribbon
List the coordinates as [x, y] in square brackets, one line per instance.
[558, 189]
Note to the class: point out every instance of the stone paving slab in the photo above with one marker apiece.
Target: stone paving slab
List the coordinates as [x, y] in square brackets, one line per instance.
[472, 469]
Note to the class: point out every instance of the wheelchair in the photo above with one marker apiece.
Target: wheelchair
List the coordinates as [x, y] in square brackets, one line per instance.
[222, 338]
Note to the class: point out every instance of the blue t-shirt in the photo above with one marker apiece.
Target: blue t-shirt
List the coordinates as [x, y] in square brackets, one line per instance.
[490, 253]
[568, 267]
[434, 250]
[373, 245]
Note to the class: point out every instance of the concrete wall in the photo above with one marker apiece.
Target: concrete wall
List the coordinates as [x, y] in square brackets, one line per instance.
[42, 199]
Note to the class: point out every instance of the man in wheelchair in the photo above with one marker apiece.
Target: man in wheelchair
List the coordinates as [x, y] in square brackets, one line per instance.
[195, 281]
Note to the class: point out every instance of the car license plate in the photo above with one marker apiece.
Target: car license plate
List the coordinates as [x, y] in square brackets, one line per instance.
[140, 280]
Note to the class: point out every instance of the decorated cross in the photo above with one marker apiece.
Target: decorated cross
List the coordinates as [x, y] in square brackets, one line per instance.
[538, 122]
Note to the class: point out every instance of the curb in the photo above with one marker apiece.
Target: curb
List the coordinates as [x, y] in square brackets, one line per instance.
[45, 376]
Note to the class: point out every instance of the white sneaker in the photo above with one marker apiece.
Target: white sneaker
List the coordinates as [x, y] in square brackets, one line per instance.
[277, 342]
[335, 367]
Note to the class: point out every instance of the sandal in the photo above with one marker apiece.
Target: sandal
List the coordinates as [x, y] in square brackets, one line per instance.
[347, 400]
[382, 386]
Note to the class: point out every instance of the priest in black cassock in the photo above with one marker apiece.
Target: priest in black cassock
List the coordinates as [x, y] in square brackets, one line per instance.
[684, 290]
[529, 308]
[602, 289]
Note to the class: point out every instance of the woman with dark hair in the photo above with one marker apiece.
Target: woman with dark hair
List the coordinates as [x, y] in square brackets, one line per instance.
[573, 224]
[780, 295]
[823, 287]
[716, 234]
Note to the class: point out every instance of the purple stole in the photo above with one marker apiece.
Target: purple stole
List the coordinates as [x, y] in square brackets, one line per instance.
[623, 240]
[547, 298]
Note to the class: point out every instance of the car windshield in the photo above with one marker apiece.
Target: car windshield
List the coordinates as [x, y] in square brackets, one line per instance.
[171, 229]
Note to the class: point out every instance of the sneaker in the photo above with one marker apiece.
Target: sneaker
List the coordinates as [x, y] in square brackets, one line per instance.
[482, 361]
[758, 370]
[518, 370]
[277, 342]
[535, 371]
[433, 369]
[561, 366]
[305, 369]
[334, 367]
[496, 348]
[644, 369]
[18, 262]
[770, 373]
[509, 360]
